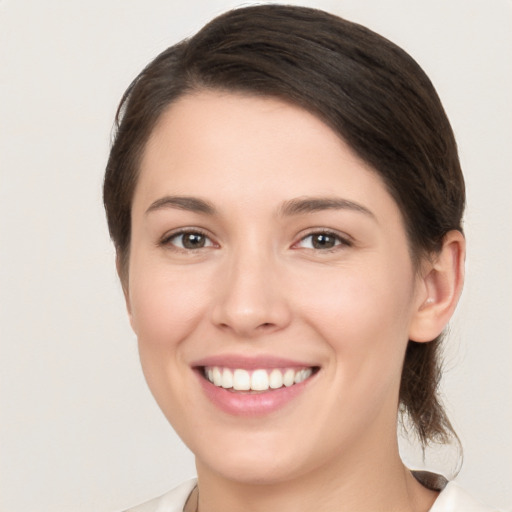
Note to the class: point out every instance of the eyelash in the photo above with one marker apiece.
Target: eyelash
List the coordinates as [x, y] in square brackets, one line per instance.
[167, 240]
[339, 241]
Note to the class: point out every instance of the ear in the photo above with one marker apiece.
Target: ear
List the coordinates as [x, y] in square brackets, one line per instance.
[122, 273]
[439, 289]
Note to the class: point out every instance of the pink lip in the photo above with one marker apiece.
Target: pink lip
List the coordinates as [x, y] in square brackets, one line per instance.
[246, 403]
[249, 363]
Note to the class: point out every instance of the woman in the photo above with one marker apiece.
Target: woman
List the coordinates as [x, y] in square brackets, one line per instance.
[285, 198]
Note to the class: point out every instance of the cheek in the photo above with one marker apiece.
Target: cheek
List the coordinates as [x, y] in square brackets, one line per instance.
[364, 315]
[164, 305]
[359, 299]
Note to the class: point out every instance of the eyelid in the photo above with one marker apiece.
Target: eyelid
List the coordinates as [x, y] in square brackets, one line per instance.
[165, 240]
[343, 238]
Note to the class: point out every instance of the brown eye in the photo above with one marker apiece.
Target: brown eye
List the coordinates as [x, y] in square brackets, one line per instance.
[193, 240]
[190, 240]
[322, 241]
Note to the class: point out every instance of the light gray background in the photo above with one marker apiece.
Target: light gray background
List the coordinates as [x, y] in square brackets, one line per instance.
[79, 431]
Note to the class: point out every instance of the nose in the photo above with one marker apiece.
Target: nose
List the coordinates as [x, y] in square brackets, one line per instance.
[251, 299]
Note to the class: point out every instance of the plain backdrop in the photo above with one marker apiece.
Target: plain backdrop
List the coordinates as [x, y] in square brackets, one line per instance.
[78, 429]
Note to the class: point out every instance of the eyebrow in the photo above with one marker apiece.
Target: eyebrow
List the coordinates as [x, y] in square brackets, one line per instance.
[292, 207]
[191, 204]
[315, 204]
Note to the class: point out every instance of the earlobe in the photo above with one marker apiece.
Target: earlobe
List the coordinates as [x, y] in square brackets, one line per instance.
[442, 283]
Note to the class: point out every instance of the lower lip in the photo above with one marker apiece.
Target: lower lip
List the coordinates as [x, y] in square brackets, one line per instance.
[251, 404]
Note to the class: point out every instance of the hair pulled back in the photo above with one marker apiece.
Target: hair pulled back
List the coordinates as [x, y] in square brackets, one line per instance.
[368, 90]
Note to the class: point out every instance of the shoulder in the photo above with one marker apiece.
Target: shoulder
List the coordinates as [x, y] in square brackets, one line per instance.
[172, 501]
[451, 499]
[454, 498]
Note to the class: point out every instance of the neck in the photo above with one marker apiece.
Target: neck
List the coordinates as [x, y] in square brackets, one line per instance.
[351, 483]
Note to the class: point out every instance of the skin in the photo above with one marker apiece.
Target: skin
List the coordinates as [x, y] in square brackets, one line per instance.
[258, 287]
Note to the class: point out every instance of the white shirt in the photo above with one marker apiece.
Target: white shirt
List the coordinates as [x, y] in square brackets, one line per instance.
[451, 499]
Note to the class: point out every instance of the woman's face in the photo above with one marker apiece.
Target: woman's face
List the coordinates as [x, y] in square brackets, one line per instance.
[264, 252]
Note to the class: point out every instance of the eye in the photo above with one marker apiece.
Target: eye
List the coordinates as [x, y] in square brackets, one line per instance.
[188, 240]
[322, 240]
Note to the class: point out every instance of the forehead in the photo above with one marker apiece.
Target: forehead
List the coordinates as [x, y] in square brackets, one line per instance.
[240, 148]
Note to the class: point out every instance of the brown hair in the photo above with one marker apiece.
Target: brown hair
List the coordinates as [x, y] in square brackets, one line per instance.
[372, 93]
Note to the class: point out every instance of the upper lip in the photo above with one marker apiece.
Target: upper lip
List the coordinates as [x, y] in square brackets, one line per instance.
[250, 362]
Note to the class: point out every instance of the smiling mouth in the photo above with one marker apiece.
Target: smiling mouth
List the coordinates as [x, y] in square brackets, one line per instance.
[258, 380]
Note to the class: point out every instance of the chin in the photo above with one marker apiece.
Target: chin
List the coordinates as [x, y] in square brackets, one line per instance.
[255, 463]
[255, 472]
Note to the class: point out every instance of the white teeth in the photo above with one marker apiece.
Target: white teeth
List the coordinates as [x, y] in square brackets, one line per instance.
[289, 378]
[241, 380]
[257, 380]
[275, 379]
[302, 375]
[217, 377]
[227, 379]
